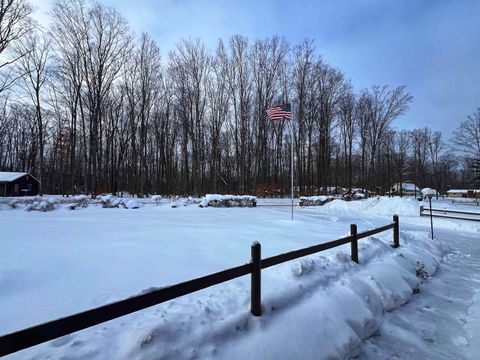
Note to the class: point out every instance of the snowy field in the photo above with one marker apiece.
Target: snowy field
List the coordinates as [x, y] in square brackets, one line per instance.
[57, 263]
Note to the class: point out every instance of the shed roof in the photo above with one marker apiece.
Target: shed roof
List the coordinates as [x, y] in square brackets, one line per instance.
[7, 176]
[462, 191]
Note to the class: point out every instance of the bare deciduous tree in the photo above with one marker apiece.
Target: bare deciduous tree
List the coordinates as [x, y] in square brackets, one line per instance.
[467, 135]
[380, 107]
[35, 54]
[108, 116]
[15, 23]
[400, 146]
[347, 117]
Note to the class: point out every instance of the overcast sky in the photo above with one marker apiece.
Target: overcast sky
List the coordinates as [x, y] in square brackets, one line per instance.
[431, 46]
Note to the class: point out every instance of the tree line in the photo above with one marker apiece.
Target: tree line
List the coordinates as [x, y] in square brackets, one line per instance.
[88, 107]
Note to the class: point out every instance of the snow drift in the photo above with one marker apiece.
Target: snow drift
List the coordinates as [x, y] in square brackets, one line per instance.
[378, 206]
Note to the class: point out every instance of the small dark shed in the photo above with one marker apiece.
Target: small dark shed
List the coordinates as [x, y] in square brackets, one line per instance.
[18, 184]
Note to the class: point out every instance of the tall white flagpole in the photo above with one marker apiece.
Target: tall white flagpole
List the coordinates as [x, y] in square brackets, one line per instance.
[291, 146]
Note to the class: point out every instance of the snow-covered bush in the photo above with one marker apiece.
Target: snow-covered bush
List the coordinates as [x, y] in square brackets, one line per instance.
[176, 201]
[78, 201]
[30, 200]
[156, 199]
[47, 205]
[352, 195]
[191, 201]
[13, 204]
[216, 200]
[111, 201]
[359, 195]
[173, 201]
[43, 205]
[314, 200]
[132, 204]
[82, 200]
[71, 206]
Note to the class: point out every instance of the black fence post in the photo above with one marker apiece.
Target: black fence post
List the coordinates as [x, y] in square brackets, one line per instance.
[396, 234]
[354, 242]
[255, 301]
[421, 210]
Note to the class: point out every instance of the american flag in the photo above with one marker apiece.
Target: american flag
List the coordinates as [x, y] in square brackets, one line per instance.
[280, 112]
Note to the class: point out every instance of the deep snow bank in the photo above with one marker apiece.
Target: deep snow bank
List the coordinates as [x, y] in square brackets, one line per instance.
[378, 206]
[315, 307]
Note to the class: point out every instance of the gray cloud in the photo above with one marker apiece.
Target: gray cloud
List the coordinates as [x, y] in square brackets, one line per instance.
[430, 46]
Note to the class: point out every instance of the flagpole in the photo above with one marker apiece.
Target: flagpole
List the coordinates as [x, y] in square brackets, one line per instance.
[291, 145]
[285, 112]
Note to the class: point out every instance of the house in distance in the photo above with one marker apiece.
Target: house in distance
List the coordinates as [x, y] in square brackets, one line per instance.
[18, 184]
[463, 193]
[407, 189]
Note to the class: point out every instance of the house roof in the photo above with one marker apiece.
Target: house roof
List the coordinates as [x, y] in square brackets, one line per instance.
[461, 191]
[407, 186]
[7, 176]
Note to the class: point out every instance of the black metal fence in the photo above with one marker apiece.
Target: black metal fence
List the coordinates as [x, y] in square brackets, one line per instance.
[444, 213]
[38, 334]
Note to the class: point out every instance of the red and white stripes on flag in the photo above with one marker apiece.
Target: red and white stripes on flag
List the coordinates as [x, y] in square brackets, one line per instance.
[280, 112]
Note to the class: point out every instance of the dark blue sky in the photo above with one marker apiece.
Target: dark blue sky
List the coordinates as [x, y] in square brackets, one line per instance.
[432, 47]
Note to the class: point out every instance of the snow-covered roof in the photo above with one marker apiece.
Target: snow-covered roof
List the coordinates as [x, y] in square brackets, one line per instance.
[409, 186]
[6, 176]
[461, 191]
[9, 176]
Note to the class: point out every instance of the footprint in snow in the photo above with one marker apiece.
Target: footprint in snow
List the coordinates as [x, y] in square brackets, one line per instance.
[427, 338]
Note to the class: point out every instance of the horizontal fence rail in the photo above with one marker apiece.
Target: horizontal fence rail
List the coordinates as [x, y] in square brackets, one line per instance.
[375, 231]
[434, 213]
[278, 259]
[38, 334]
[51, 330]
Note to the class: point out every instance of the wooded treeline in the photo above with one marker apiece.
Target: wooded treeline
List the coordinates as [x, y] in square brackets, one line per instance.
[89, 107]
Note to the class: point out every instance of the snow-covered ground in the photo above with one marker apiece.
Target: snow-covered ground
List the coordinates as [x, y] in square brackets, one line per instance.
[442, 321]
[57, 263]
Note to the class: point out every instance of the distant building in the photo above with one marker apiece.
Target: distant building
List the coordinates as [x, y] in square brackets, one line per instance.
[18, 184]
[463, 193]
[408, 189]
